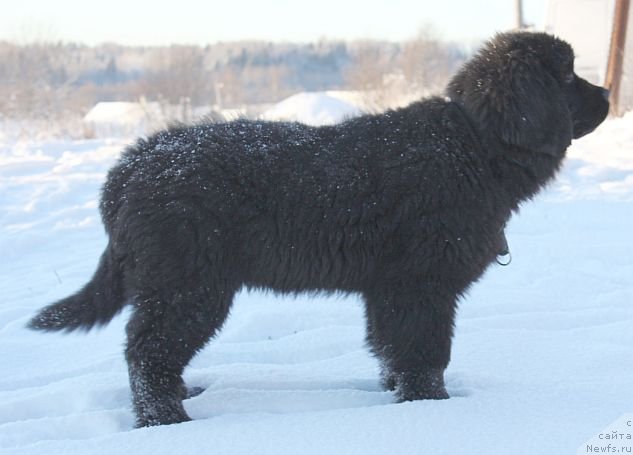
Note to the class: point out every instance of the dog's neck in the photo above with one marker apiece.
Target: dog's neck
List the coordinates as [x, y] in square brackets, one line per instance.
[522, 173]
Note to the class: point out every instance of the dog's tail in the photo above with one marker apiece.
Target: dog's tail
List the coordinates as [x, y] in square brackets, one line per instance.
[94, 305]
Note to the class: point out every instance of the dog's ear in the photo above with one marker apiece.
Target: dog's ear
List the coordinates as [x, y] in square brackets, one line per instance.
[531, 108]
[514, 98]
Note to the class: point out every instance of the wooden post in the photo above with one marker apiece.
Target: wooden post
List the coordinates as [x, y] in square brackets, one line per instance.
[519, 15]
[616, 53]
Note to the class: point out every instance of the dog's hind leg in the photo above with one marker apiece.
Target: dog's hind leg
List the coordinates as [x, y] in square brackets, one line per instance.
[164, 333]
[409, 330]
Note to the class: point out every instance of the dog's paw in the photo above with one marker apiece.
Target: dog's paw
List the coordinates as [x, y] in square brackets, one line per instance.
[191, 392]
[388, 380]
[421, 386]
[438, 393]
[160, 414]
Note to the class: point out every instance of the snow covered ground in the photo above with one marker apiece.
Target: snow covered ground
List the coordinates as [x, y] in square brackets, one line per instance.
[541, 360]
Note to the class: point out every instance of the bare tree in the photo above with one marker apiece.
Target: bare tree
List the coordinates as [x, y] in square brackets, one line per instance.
[231, 86]
[180, 73]
[419, 67]
[427, 62]
[371, 71]
[34, 80]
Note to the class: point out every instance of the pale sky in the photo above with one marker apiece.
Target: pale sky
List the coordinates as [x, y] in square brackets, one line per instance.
[197, 21]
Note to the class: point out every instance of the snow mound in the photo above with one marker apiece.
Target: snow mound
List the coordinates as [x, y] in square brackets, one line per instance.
[121, 119]
[312, 108]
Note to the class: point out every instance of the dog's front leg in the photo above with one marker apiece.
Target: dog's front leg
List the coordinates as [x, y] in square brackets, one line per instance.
[409, 330]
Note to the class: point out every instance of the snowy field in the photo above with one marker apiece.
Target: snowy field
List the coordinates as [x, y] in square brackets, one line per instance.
[542, 357]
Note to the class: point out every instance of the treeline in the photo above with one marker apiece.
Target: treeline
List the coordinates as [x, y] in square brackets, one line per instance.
[50, 80]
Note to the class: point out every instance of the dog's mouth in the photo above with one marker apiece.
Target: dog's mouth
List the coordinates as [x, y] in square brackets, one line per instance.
[585, 124]
[582, 129]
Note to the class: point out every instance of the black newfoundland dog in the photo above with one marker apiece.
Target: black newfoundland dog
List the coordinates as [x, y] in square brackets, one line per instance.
[406, 208]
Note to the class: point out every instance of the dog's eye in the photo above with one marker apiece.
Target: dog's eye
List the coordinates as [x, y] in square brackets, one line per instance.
[569, 78]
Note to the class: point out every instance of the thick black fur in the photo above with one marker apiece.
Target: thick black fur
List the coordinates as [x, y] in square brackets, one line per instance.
[406, 208]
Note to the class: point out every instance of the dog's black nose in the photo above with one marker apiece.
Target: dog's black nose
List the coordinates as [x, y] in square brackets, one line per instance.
[605, 93]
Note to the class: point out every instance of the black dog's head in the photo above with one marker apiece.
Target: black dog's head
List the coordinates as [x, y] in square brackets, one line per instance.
[521, 89]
